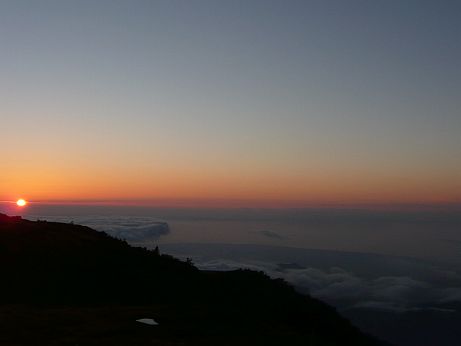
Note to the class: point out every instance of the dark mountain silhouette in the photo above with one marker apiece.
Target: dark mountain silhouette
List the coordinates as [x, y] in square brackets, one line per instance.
[69, 284]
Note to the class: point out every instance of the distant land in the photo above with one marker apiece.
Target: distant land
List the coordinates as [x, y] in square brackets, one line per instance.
[69, 284]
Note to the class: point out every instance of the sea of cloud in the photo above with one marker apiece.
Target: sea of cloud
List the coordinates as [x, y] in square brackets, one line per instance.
[347, 290]
[338, 280]
[131, 229]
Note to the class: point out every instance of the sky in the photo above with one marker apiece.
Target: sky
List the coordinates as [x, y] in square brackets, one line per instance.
[236, 103]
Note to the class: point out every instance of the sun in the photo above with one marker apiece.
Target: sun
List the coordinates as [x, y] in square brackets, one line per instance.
[21, 202]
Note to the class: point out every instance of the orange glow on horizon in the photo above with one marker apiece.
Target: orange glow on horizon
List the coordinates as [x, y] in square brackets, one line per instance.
[165, 186]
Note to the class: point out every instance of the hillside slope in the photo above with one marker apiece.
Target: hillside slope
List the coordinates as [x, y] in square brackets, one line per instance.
[68, 284]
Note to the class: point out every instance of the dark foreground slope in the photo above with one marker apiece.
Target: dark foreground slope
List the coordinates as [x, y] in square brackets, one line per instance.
[69, 284]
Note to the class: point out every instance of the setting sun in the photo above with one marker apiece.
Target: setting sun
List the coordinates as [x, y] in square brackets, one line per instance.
[21, 202]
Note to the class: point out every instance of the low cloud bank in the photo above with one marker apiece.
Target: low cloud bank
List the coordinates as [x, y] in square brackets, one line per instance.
[137, 232]
[131, 229]
[347, 290]
[271, 234]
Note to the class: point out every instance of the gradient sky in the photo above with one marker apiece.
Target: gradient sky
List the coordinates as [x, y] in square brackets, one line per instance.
[260, 102]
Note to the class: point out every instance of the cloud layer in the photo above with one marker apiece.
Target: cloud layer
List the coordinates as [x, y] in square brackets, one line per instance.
[347, 290]
[131, 229]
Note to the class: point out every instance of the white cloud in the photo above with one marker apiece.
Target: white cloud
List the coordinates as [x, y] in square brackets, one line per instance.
[132, 229]
[347, 290]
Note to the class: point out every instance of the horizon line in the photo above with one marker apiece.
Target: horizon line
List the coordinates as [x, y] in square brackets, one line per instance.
[244, 204]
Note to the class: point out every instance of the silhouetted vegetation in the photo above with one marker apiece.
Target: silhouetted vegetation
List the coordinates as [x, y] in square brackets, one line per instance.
[72, 272]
